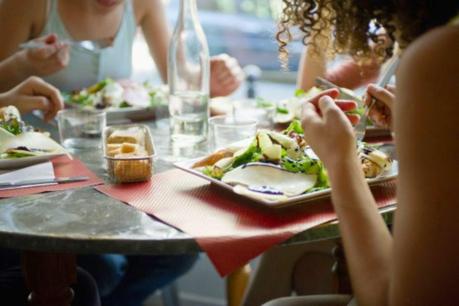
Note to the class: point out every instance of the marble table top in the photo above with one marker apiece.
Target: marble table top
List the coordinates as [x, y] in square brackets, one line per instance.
[86, 221]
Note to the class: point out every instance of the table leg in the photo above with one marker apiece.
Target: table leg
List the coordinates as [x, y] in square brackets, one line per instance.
[236, 284]
[49, 276]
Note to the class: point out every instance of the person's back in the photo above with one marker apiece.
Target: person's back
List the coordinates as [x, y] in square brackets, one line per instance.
[419, 265]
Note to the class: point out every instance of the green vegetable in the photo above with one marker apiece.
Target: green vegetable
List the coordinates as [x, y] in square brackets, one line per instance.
[282, 110]
[308, 166]
[214, 172]
[124, 104]
[299, 93]
[82, 99]
[99, 86]
[358, 111]
[13, 126]
[295, 126]
[15, 154]
[263, 103]
[248, 156]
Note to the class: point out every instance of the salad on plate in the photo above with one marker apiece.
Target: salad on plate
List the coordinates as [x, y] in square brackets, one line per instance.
[112, 95]
[19, 140]
[276, 166]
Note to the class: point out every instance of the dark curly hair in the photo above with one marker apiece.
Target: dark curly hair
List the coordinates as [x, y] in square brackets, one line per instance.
[362, 28]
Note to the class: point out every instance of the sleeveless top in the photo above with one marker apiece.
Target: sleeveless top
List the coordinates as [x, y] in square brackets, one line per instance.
[86, 68]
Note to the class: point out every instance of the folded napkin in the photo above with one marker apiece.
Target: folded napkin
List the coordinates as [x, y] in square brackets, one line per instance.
[35, 172]
[229, 228]
[62, 166]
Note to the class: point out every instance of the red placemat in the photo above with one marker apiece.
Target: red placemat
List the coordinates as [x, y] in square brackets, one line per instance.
[63, 166]
[230, 229]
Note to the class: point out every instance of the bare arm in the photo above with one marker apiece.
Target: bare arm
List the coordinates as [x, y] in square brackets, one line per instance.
[16, 24]
[348, 74]
[20, 22]
[155, 28]
[426, 254]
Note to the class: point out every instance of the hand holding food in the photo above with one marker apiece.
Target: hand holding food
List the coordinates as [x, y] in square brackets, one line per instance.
[46, 60]
[381, 112]
[289, 109]
[328, 131]
[347, 106]
[225, 75]
[34, 93]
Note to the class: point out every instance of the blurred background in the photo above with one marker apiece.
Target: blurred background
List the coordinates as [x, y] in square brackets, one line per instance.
[244, 29]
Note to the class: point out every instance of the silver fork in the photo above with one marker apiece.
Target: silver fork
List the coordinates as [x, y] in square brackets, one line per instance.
[389, 71]
[90, 45]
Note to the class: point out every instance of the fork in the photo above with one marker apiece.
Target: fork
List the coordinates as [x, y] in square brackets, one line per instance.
[91, 45]
[389, 71]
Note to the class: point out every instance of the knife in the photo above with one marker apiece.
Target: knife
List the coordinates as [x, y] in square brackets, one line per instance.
[57, 180]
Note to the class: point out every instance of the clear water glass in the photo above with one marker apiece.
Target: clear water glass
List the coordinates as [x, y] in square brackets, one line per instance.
[188, 78]
[227, 129]
[81, 129]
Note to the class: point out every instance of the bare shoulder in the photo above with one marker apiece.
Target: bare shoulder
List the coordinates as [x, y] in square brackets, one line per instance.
[430, 69]
[426, 129]
[142, 9]
[436, 52]
[29, 9]
[20, 21]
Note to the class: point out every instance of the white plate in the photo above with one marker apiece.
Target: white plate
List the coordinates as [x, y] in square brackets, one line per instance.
[385, 176]
[32, 140]
[123, 115]
[26, 161]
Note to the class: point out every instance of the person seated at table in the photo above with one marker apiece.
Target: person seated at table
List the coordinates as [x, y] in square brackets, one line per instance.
[51, 22]
[418, 265]
[280, 270]
[121, 279]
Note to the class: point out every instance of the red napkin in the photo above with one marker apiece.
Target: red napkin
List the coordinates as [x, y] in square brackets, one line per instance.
[229, 228]
[63, 166]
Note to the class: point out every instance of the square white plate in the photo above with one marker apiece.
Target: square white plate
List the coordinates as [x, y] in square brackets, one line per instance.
[385, 176]
[15, 163]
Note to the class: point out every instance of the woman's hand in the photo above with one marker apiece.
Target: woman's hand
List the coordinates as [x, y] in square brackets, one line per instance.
[34, 93]
[328, 130]
[48, 59]
[381, 112]
[225, 75]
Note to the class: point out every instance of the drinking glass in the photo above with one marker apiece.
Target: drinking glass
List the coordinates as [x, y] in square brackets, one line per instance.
[227, 129]
[81, 129]
[188, 78]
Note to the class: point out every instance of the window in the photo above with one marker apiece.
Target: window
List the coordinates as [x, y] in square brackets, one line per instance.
[245, 29]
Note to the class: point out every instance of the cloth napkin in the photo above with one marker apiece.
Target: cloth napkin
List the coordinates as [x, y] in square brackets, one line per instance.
[230, 229]
[39, 171]
[61, 166]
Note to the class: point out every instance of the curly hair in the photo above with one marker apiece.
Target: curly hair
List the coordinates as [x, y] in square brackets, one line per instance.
[362, 28]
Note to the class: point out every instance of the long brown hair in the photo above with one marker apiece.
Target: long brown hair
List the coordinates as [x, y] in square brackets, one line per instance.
[362, 28]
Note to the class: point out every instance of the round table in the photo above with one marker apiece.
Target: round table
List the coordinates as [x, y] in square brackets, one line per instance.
[51, 227]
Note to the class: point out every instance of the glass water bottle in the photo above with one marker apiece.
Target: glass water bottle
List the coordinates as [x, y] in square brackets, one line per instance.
[188, 78]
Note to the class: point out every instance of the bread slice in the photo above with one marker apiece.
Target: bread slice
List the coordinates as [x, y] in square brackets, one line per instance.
[131, 135]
